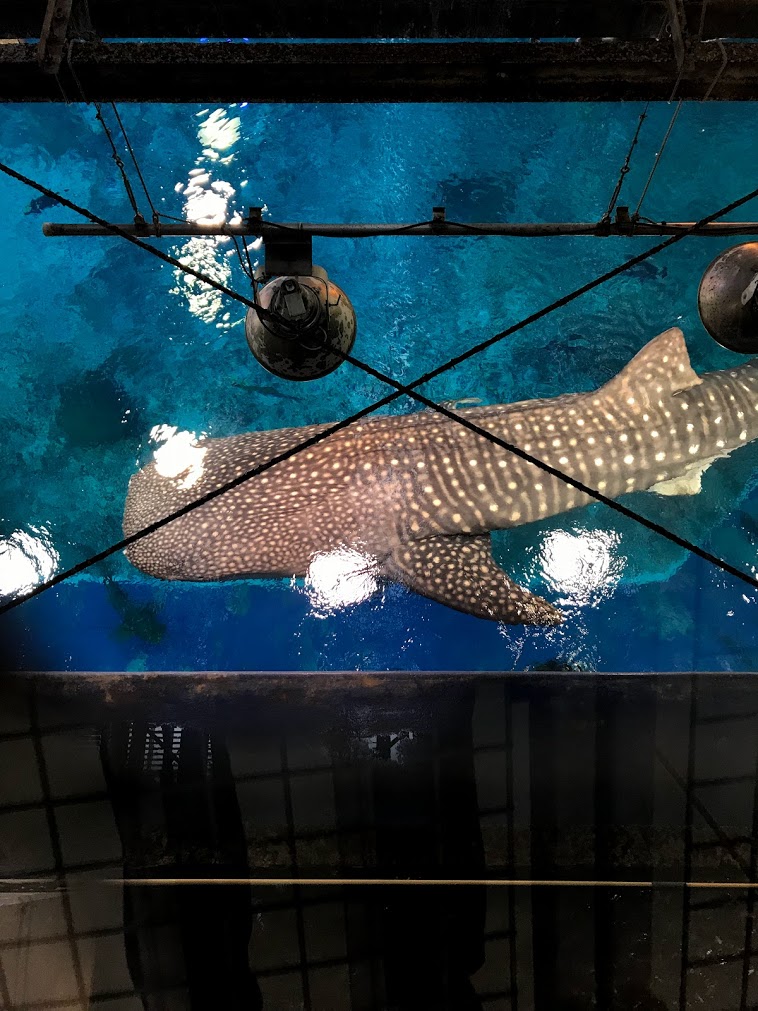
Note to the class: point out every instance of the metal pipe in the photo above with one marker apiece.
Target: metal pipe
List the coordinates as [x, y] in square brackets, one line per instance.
[270, 230]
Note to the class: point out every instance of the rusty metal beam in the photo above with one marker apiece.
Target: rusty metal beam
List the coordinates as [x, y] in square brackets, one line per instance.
[381, 72]
[342, 19]
[678, 28]
[53, 35]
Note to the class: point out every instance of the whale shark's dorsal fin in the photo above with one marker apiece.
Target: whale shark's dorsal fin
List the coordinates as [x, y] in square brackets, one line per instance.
[660, 369]
[458, 570]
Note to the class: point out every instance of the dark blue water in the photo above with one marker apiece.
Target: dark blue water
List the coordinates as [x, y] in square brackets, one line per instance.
[103, 346]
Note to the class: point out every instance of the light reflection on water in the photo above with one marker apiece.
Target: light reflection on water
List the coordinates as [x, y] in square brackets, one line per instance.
[207, 202]
[218, 132]
[583, 566]
[338, 578]
[178, 455]
[26, 559]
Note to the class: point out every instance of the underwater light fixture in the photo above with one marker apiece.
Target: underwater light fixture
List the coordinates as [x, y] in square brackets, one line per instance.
[311, 318]
[727, 299]
[310, 322]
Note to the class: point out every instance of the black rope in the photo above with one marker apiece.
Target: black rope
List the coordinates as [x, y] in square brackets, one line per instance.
[249, 262]
[138, 216]
[400, 230]
[117, 158]
[75, 76]
[62, 90]
[625, 167]
[400, 390]
[156, 216]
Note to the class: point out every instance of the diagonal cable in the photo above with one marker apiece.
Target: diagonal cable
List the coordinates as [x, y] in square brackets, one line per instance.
[658, 157]
[400, 390]
[119, 162]
[190, 506]
[554, 472]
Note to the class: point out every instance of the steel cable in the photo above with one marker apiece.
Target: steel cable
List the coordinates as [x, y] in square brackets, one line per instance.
[626, 166]
[119, 162]
[658, 157]
[153, 211]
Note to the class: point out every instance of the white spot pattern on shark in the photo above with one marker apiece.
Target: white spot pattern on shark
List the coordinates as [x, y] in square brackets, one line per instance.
[419, 494]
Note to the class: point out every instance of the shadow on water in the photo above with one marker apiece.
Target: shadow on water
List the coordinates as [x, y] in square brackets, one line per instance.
[136, 620]
[94, 411]
[41, 203]
[485, 198]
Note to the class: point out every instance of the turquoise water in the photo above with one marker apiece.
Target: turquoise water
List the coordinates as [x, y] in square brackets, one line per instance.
[102, 345]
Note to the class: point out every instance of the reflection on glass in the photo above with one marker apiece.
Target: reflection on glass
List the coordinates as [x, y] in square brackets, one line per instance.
[26, 559]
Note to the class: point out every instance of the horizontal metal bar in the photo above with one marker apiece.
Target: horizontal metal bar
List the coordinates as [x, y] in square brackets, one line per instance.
[703, 784]
[270, 230]
[432, 71]
[733, 956]
[727, 844]
[725, 718]
[52, 884]
[63, 801]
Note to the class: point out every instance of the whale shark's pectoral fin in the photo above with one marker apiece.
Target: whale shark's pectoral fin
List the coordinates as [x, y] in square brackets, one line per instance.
[687, 483]
[459, 571]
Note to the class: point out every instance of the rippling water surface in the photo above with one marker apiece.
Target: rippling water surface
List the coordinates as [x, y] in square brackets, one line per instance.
[109, 355]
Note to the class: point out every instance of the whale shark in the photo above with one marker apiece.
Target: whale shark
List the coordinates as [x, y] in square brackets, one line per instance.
[417, 496]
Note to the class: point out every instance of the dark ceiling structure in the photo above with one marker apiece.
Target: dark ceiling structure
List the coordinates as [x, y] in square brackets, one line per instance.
[396, 50]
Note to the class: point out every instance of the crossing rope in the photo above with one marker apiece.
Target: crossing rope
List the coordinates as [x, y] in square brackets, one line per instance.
[155, 215]
[399, 390]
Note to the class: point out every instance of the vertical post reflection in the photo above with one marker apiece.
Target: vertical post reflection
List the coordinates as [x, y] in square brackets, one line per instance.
[427, 824]
[177, 814]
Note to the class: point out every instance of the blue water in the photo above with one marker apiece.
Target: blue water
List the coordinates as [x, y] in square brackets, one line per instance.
[102, 344]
